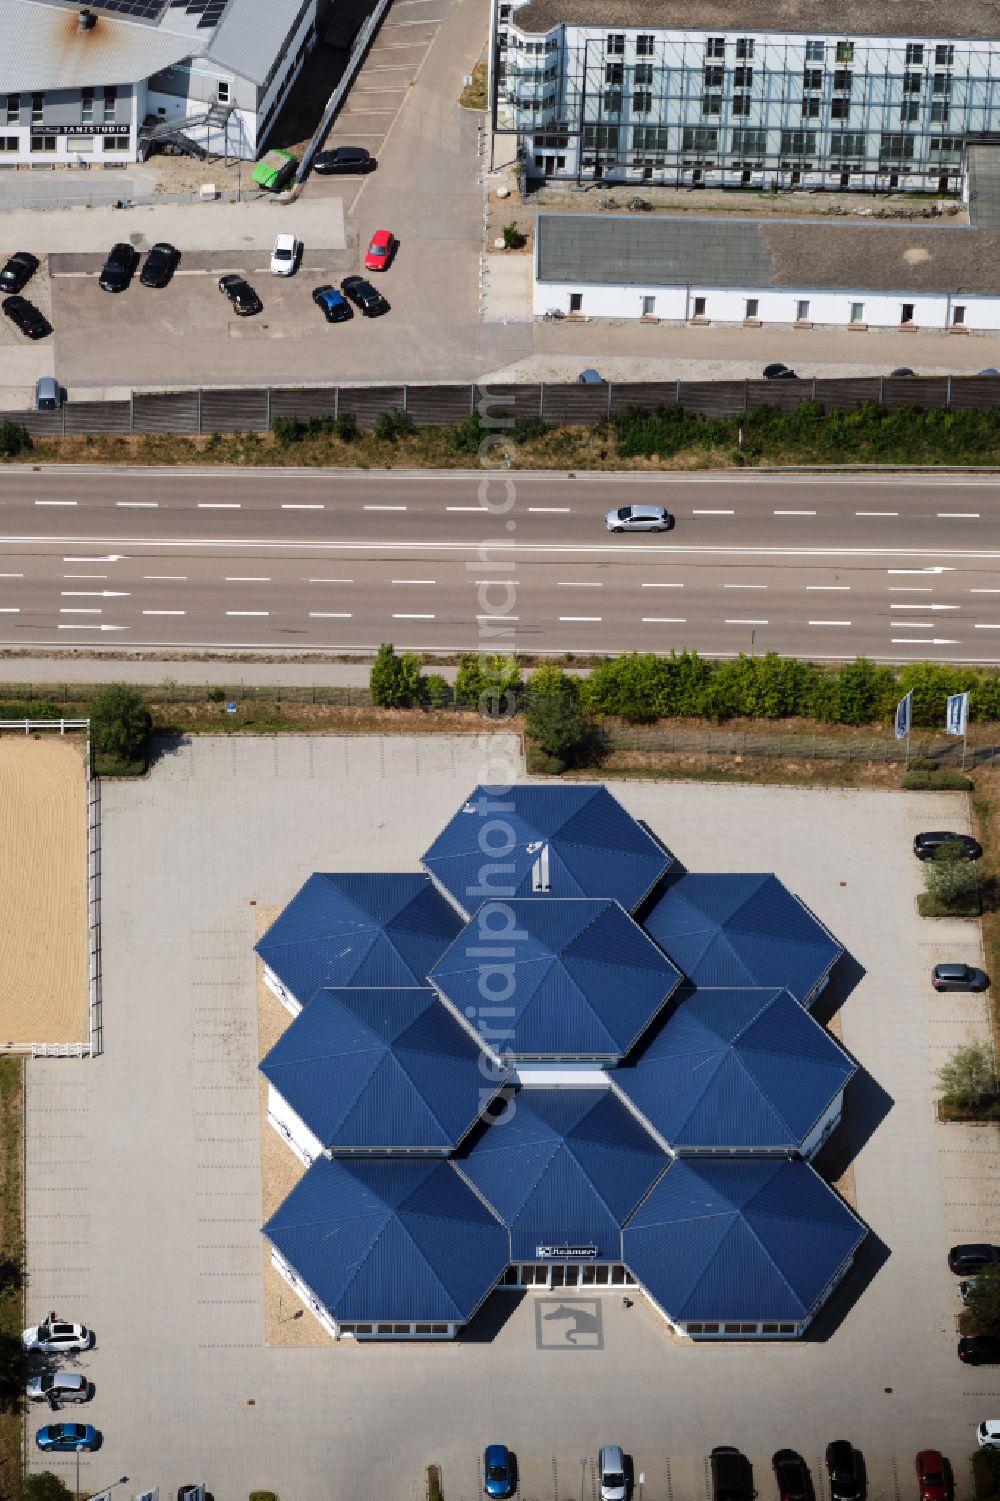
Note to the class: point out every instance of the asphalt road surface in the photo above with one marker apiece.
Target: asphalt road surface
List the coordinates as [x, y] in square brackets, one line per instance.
[892, 567]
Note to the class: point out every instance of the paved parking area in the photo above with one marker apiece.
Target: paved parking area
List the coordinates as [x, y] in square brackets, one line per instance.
[143, 1189]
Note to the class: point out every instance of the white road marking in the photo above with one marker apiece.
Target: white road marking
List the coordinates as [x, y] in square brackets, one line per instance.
[95, 627]
[499, 583]
[383, 508]
[56, 502]
[551, 510]
[595, 619]
[413, 581]
[164, 612]
[828, 588]
[972, 591]
[288, 506]
[112, 557]
[911, 589]
[663, 620]
[247, 578]
[985, 627]
[958, 515]
[744, 622]
[176, 578]
[498, 617]
[328, 615]
[939, 568]
[137, 505]
[92, 576]
[713, 513]
[76, 610]
[482, 510]
[744, 586]
[830, 622]
[876, 513]
[248, 612]
[66, 575]
[921, 606]
[923, 641]
[94, 593]
[331, 581]
[414, 617]
[793, 513]
[219, 505]
[7, 610]
[579, 584]
[661, 586]
[917, 625]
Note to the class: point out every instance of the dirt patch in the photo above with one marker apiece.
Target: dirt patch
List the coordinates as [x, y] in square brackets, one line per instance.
[43, 890]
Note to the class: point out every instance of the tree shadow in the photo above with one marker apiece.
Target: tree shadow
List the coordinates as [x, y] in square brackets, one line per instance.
[167, 742]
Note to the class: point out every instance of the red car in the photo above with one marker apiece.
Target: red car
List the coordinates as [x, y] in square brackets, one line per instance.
[380, 250]
[931, 1475]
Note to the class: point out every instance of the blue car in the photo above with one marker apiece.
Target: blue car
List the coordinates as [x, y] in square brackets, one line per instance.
[67, 1438]
[336, 309]
[498, 1471]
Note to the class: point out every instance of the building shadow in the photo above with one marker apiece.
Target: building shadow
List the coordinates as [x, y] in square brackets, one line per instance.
[866, 1105]
[497, 1311]
[872, 1255]
[845, 977]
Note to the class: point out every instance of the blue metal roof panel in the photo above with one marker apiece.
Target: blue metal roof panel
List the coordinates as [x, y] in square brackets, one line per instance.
[385, 1241]
[736, 1068]
[741, 1240]
[379, 1068]
[731, 930]
[359, 929]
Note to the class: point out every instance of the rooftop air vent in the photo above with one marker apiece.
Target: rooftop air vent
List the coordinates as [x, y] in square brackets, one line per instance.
[86, 20]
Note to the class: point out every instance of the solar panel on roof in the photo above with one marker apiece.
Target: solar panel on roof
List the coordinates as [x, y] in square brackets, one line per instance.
[142, 10]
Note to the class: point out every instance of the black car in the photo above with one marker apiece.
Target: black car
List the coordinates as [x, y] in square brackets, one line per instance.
[344, 159]
[959, 977]
[842, 1468]
[778, 371]
[967, 1259]
[903, 372]
[792, 1476]
[119, 267]
[979, 1349]
[241, 294]
[161, 263]
[364, 296]
[928, 846]
[18, 271]
[732, 1476]
[25, 316]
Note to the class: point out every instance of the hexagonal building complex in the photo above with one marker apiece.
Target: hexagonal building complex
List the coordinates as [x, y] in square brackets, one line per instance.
[610, 1104]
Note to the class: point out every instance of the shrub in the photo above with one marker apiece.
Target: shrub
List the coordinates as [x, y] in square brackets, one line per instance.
[345, 427]
[467, 435]
[526, 429]
[395, 682]
[936, 781]
[288, 430]
[983, 1302]
[120, 723]
[491, 684]
[217, 695]
[950, 879]
[968, 1077]
[437, 691]
[392, 425]
[556, 722]
[263, 1496]
[45, 1487]
[513, 238]
[14, 439]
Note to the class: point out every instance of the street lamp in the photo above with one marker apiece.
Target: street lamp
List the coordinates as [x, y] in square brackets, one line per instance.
[106, 1491]
[642, 1482]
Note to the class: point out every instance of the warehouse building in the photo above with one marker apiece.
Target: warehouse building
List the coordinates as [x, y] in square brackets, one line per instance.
[94, 84]
[685, 94]
[749, 272]
[582, 1096]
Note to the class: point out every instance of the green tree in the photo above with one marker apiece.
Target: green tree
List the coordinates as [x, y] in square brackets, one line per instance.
[950, 878]
[983, 1302]
[44, 1486]
[491, 684]
[120, 722]
[14, 439]
[395, 682]
[555, 719]
[437, 691]
[968, 1077]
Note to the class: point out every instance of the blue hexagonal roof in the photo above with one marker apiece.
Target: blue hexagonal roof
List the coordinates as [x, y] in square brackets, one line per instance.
[564, 977]
[745, 1240]
[739, 930]
[359, 930]
[735, 1069]
[380, 1069]
[387, 1241]
[578, 841]
[563, 1167]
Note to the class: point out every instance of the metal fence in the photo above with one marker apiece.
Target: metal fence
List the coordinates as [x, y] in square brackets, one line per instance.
[29, 726]
[690, 740]
[255, 408]
[356, 697]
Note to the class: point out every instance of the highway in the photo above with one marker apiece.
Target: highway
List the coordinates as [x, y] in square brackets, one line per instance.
[894, 567]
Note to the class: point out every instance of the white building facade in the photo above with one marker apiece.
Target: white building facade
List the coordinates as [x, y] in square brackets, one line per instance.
[749, 105]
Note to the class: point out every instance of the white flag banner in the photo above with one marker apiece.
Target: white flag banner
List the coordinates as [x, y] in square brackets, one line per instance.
[101, 1496]
[957, 714]
[153, 1495]
[904, 713]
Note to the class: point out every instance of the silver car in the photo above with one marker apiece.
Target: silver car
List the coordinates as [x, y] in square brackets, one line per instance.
[59, 1386]
[639, 519]
[611, 1473]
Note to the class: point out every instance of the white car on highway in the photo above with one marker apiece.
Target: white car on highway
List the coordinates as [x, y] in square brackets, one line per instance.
[55, 1337]
[285, 255]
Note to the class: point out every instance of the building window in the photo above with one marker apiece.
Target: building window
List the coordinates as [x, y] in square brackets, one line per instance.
[749, 143]
[715, 46]
[700, 139]
[802, 312]
[842, 81]
[741, 104]
[43, 143]
[812, 78]
[614, 73]
[80, 144]
[223, 93]
[895, 148]
[600, 138]
[743, 78]
[845, 52]
[110, 101]
[810, 107]
[942, 83]
[857, 312]
[731, 1328]
[840, 109]
[13, 109]
[744, 46]
[947, 147]
[650, 138]
[8, 143]
[912, 83]
[847, 143]
[612, 101]
[958, 315]
[115, 143]
[699, 307]
[786, 1328]
[944, 56]
[694, 1328]
[642, 101]
[649, 308]
[575, 306]
[714, 78]
[644, 46]
[752, 307]
[616, 42]
[37, 108]
[643, 74]
[909, 111]
[814, 52]
[940, 111]
[798, 142]
[914, 54]
[87, 111]
[711, 104]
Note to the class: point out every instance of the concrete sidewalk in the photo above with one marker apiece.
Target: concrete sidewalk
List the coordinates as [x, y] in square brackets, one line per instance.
[214, 673]
[190, 226]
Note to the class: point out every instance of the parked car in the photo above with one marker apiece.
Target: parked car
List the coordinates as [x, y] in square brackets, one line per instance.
[639, 519]
[732, 1477]
[344, 159]
[988, 1433]
[25, 316]
[979, 1349]
[611, 1473]
[380, 249]
[792, 1475]
[928, 846]
[498, 1473]
[56, 1337]
[972, 1257]
[843, 1470]
[959, 977]
[18, 271]
[335, 308]
[119, 267]
[48, 394]
[241, 294]
[902, 371]
[364, 296]
[160, 265]
[285, 255]
[989, 371]
[931, 1476]
[590, 377]
[778, 371]
[67, 1438]
[59, 1386]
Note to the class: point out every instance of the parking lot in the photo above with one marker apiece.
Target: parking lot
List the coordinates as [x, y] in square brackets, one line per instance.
[143, 1167]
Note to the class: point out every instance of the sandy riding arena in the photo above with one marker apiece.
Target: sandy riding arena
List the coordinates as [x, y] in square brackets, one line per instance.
[43, 890]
